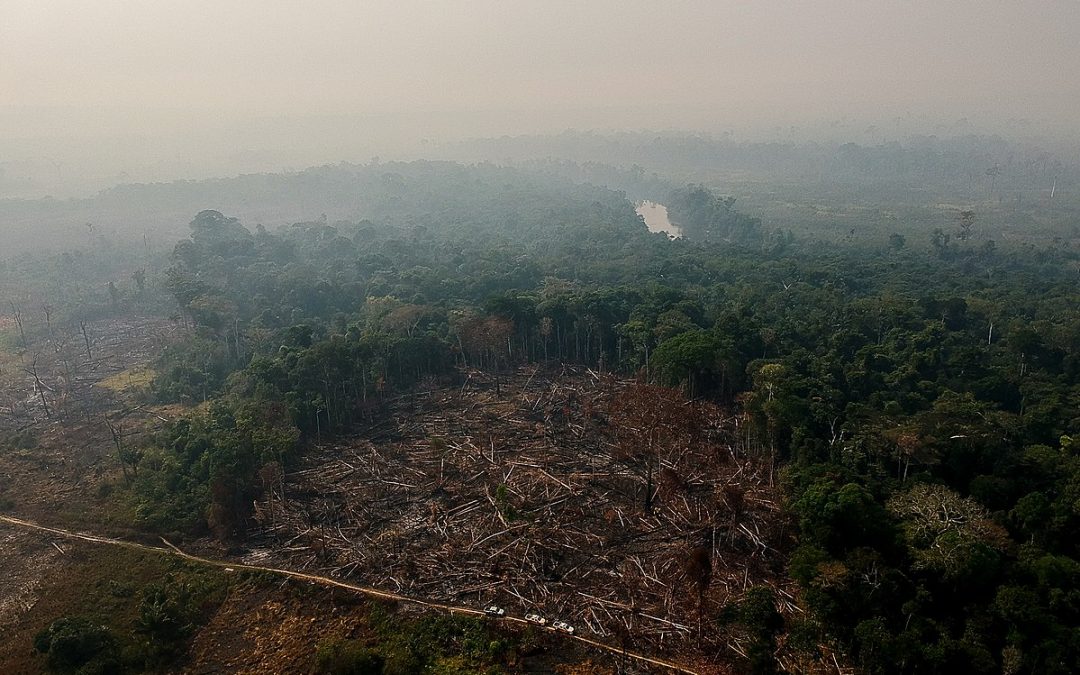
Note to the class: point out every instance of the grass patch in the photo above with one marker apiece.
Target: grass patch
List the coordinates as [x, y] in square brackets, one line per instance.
[131, 380]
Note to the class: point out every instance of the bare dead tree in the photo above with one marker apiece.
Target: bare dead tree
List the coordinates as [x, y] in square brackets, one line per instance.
[48, 318]
[650, 422]
[86, 338]
[16, 314]
[40, 387]
[273, 483]
[117, 433]
[128, 457]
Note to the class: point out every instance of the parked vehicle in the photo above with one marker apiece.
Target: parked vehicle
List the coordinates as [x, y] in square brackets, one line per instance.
[563, 626]
[537, 619]
[495, 610]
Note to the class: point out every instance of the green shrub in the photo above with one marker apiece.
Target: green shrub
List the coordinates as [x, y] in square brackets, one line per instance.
[347, 657]
[78, 645]
[169, 611]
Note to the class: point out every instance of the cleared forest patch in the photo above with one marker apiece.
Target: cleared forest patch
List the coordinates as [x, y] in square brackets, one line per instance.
[623, 509]
[62, 395]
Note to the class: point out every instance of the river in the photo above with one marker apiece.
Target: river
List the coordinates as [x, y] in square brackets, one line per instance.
[656, 218]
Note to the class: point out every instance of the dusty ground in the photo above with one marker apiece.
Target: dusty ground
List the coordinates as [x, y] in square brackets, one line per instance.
[27, 562]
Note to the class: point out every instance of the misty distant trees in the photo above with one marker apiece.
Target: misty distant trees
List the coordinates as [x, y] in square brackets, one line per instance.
[704, 216]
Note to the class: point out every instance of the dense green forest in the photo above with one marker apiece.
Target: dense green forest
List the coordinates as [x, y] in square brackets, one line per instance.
[918, 391]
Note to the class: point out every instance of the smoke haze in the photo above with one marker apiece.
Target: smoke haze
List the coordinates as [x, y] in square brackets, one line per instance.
[92, 94]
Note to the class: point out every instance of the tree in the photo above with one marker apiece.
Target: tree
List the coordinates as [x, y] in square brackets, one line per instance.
[704, 216]
[939, 241]
[966, 218]
[127, 455]
[219, 234]
[78, 645]
[347, 657]
[838, 515]
[774, 407]
[946, 533]
[757, 612]
[485, 340]
[650, 422]
[702, 360]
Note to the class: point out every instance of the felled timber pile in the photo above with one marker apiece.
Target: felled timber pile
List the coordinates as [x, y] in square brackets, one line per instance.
[622, 508]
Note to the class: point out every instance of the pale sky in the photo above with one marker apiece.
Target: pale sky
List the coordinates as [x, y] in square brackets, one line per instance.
[273, 77]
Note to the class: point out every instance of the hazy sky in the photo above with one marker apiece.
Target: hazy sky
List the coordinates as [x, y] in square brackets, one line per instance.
[242, 83]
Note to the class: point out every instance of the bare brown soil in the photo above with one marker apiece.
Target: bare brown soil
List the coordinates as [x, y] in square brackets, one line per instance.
[28, 562]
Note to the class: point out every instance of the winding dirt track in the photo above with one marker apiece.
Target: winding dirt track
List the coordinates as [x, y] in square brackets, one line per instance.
[170, 549]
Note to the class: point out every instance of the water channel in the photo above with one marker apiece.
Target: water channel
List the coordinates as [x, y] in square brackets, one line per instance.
[656, 218]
